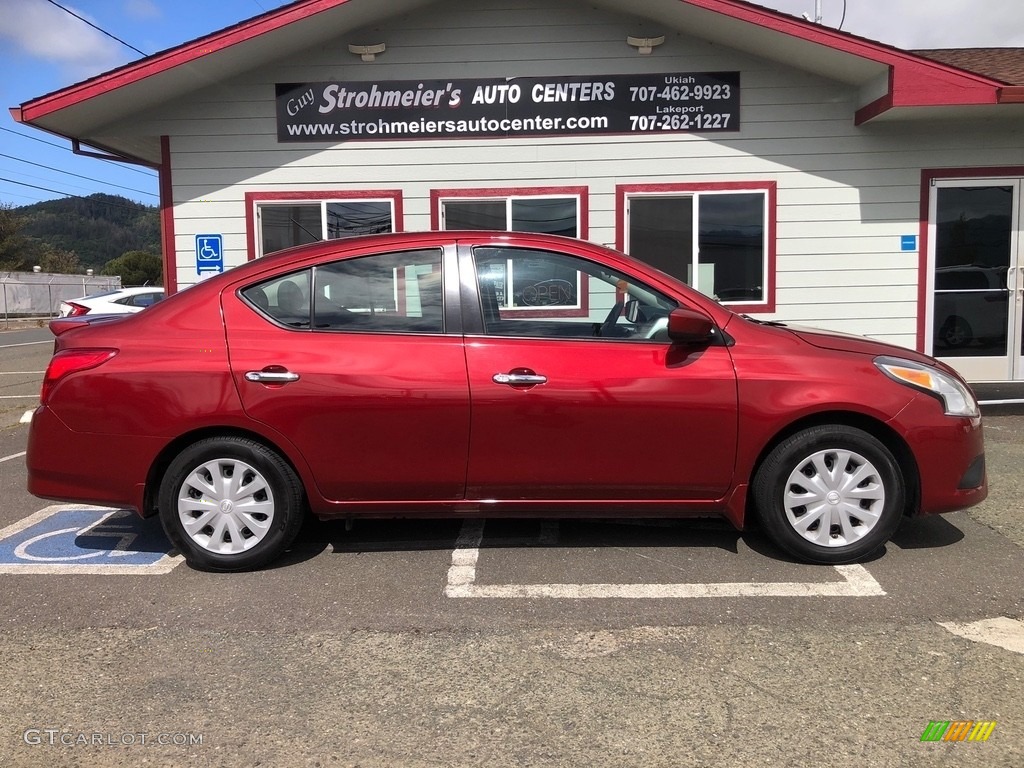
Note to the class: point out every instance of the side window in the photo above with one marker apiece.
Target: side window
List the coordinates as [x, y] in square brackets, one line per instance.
[543, 294]
[387, 293]
[285, 299]
[140, 300]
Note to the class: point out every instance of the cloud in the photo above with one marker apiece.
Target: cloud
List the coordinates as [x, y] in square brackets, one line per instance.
[47, 33]
[913, 24]
[142, 9]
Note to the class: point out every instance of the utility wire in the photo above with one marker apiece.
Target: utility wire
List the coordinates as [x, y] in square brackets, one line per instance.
[78, 175]
[125, 166]
[98, 29]
[68, 194]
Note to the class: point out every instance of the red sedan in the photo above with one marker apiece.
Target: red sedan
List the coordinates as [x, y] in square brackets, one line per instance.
[490, 374]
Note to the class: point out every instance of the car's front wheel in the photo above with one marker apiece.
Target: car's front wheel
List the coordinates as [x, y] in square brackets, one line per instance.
[829, 494]
[229, 503]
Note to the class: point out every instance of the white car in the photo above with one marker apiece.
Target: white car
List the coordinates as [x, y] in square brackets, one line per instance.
[119, 302]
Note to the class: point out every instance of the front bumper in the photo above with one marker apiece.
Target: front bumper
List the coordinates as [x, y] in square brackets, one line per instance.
[950, 455]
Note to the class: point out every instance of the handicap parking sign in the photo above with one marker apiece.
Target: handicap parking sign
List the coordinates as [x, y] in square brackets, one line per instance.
[85, 540]
[209, 254]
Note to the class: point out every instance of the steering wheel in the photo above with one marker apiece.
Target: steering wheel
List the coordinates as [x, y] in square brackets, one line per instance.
[608, 325]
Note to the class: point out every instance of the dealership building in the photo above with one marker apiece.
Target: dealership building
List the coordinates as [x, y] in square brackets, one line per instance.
[793, 171]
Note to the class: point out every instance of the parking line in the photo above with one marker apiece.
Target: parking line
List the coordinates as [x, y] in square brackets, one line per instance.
[857, 582]
[13, 456]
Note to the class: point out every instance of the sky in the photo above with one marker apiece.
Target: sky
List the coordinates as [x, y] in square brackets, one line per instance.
[44, 48]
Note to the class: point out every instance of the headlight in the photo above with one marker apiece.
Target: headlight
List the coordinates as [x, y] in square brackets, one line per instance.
[956, 398]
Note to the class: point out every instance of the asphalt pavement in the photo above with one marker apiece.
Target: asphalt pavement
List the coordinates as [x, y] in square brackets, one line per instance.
[505, 643]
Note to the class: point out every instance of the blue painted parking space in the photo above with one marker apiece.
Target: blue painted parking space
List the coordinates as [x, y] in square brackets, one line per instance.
[79, 539]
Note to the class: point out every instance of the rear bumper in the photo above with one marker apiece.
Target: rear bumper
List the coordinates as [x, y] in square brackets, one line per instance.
[65, 466]
[950, 456]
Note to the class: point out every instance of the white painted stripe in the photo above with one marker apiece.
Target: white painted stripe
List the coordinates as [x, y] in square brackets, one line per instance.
[857, 582]
[1018, 401]
[166, 564]
[13, 456]
[18, 373]
[26, 417]
[20, 397]
[25, 344]
[1002, 631]
[466, 553]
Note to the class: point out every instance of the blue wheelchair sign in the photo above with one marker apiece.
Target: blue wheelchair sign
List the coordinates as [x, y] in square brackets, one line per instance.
[209, 254]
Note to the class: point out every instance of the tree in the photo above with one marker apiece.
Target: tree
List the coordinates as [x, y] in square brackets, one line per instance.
[12, 241]
[136, 268]
[56, 260]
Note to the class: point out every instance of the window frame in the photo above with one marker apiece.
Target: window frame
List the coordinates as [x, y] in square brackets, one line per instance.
[253, 200]
[491, 194]
[507, 194]
[624, 193]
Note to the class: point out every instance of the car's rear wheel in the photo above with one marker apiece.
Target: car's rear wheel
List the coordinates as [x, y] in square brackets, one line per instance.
[229, 503]
[829, 494]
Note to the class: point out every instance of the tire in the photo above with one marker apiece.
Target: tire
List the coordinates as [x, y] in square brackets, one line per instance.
[223, 524]
[837, 476]
[956, 332]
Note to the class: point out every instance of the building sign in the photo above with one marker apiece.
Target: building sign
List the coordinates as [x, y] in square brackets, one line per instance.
[701, 102]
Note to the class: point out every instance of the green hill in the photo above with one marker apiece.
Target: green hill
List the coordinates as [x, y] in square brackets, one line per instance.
[97, 228]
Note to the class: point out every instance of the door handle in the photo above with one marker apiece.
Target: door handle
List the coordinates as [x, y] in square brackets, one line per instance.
[271, 377]
[519, 379]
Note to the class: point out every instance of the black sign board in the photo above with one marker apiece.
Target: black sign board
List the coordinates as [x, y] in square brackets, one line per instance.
[700, 102]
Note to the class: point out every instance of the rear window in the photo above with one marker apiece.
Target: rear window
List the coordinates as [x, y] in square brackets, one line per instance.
[385, 293]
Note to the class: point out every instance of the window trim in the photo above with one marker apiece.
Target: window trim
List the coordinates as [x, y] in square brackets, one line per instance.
[438, 196]
[254, 199]
[624, 192]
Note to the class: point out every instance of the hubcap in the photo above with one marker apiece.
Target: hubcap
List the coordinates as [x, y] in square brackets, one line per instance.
[226, 506]
[833, 498]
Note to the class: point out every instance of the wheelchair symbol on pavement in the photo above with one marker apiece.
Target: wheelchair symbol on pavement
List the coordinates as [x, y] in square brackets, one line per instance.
[80, 539]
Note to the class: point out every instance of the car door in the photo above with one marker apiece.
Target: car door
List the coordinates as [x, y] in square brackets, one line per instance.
[573, 400]
[351, 361]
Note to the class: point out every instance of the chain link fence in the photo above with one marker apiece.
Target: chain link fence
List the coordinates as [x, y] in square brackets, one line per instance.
[37, 295]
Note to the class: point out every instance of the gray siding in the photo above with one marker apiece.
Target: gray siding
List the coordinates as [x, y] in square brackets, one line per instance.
[845, 194]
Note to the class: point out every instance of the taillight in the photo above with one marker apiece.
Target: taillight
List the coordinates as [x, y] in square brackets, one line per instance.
[76, 309]
[71, 361]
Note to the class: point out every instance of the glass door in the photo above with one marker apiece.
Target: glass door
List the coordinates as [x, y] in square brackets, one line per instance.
[975, 277]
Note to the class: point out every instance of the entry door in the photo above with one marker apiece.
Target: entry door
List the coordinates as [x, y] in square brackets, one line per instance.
[975, 277]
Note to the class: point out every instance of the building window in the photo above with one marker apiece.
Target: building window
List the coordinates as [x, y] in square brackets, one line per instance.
[716, 238]
[530, 280]
[282, 220]
[550, 211]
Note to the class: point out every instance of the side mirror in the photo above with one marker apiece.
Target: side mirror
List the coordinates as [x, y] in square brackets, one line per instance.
[688, 327]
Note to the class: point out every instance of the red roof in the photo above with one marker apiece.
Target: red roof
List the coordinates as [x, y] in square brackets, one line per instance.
[914, 80]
